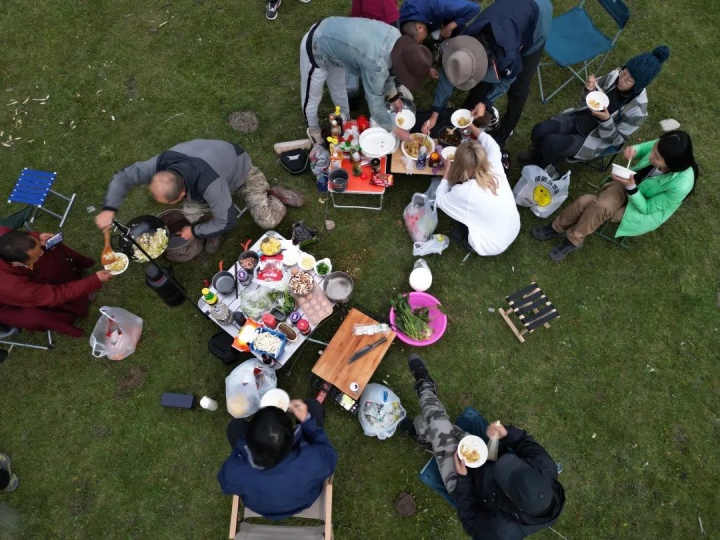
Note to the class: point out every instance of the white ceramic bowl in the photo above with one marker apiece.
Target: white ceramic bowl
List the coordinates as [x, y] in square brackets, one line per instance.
[622, 172]
[594, 98]
[432, 148]
[277, 397]
[405, 119]
[449, 151]
[327, 262]
[122, 257]
[461, 113]
[306, 262]
[290, 256]
[473, 442]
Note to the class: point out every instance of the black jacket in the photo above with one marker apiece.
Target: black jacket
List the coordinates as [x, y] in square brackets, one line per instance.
[485, 511]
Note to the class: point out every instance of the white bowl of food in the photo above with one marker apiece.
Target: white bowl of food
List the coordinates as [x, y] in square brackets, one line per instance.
[473, 451]
[622, 172]
[119, 265]
[461, 118]
[405, 119]
[323, 267]
[597, 100]
[448, 153]
[412, 149]
[291, 256]
[277, 397]
[306, 261]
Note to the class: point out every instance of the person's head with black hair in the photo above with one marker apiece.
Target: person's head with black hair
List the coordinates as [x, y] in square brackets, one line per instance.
[676, 152]
[415, 29]
[269, 437]
[20, 247]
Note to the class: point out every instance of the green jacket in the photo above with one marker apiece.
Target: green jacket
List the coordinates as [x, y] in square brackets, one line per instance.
[657, 197]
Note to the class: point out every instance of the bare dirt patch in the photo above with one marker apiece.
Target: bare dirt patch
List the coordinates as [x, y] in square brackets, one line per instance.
[244, 121]
[132, 380]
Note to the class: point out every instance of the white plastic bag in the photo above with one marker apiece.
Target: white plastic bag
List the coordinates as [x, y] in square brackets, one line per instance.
[246, 385]
[436, 244]
[379, 411]
[420, 217]
[541, 190]
[115, 334]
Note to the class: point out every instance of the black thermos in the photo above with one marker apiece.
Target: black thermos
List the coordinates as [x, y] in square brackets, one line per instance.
[165, 289]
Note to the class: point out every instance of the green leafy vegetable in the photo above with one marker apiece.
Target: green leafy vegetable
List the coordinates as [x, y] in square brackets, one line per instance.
[414, 323]
[322, 268]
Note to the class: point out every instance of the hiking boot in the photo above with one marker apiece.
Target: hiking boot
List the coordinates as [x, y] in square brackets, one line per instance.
[212, 245]
[272, 9]
[407, 426]
[545, 232]
[420, 373]
[562, 250]
[5, 465]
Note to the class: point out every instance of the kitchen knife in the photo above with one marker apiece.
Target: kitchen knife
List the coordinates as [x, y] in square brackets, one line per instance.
[366, 349]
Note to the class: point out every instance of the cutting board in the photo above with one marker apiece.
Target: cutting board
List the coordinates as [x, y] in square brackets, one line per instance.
[333, 365]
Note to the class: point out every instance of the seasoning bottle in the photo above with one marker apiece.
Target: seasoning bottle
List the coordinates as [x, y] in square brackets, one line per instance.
[304, 327]
[335, 129]
[422, 157]
[335, 154]
[357, 170]
[243, 277]
[268, 360]
[269, 320]
[209, 296]
[434, 160]
[338, 118]
[295, 317]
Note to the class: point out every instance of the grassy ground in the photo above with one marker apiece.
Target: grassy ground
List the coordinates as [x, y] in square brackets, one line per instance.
[622, 389]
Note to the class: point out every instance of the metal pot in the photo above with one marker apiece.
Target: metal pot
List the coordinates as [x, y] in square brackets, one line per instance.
[449, 136]
[223, 281]
[338, 180]
[137, 227]
[338, 286]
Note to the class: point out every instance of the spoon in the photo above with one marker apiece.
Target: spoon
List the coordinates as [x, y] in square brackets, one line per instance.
[108, 254]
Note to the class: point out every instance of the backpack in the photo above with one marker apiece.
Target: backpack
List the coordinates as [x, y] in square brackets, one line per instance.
[295, 161]
[220, 345]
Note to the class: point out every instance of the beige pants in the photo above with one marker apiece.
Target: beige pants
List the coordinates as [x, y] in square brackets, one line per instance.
[588, 212]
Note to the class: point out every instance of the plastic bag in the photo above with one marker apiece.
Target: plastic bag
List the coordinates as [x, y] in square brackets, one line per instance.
[246, 385]
[420, 217]
[255, 302]
[116, 333]
[436, 244]
[541, 190]
[379, 411]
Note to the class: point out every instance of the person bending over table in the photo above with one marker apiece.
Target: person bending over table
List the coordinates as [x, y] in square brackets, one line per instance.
[44, 289]
[276, 469]
[371, 50]
[475, 192]
[419, 18]
[507, 499]
[665, 174]
[583, 133]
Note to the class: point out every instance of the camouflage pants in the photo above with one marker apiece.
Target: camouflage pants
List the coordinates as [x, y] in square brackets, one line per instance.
[435, 426]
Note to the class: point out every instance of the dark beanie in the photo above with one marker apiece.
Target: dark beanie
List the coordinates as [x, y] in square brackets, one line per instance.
[644, 67]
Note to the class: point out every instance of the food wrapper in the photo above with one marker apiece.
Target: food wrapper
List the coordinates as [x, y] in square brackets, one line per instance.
[270, 268]
[379, 179]
[246, 335]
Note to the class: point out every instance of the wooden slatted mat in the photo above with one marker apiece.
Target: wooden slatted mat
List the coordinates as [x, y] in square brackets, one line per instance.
[531, 307]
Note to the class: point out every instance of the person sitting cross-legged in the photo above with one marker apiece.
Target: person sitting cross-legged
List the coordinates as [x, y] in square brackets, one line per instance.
[665, 173]
[508, 499]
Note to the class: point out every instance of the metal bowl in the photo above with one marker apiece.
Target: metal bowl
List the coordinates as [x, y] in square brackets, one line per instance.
[338, 286]
[137, 227]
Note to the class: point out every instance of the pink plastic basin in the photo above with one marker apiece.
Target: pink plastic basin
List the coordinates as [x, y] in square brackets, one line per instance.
[438, 320]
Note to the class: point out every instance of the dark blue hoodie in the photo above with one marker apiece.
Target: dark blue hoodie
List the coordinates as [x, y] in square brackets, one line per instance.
[436, 13]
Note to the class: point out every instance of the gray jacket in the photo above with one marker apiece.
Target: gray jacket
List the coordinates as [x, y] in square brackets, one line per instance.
[211, 170]
[362, 47]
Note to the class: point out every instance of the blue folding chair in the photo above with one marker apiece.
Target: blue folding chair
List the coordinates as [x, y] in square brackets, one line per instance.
[601, 162]
[574, 40]
[33, 187]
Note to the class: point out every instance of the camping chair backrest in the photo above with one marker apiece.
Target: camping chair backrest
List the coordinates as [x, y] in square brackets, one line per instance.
[618, 11]
[18, 220]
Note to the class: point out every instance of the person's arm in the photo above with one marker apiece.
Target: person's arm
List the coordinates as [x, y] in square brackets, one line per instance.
[219, 198]
[497, 90]
[493, 152]
[320, 445]
[671, 198]
[230, 477]
[375, 90]
[459, 12]
[528, 449]
[121, 182]
[443, 93]
[31, 294]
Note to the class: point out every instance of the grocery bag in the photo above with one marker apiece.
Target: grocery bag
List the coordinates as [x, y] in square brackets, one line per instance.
[379, 411]
[420, 217]
[436, 244]
[541, 190]
[246, 385]
[116, 333]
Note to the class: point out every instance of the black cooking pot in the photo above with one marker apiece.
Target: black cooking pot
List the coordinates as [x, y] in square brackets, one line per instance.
[136, 227]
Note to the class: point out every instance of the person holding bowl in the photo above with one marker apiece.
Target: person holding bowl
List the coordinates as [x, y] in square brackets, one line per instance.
[662, 176]
[584, 133]
[475, 192]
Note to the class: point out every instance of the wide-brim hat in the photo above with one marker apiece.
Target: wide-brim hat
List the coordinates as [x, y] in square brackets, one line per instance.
[411, 62]
[464, 61]
[525, 486]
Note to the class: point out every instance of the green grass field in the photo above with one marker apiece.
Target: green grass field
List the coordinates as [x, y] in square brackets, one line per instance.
[622, 389]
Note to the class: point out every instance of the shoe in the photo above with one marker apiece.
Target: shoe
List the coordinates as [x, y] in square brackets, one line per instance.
[420, 373]
[407, 426]
[494, 124]
[562, 250]
[407, 94]
[545, 232]
[212, 245]
[501, 136]
[527, 157]
[315, 135]
[5, 465]
[272, 9]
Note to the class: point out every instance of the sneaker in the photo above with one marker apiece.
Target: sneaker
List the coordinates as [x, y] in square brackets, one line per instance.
[272, 9]
[5, 465]
[212, 245]
[315, 135]
[562, 250]
[420, 373]
[545, 232]
[407, 94]
[501, 136]
[407, 426]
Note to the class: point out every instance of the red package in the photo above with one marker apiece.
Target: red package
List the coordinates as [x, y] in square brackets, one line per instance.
[379, 179]
[270, 268]
[362, 123]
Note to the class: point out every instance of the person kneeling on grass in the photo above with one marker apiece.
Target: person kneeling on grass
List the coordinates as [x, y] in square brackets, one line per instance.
[44, 289]
[475, 192]
[665, 172]
[508, 499]
[278, 471]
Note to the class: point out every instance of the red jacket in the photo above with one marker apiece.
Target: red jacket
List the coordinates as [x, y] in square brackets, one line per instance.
[381, 10]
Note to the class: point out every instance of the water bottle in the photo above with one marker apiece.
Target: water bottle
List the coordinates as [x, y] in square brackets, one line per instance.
[422, 157]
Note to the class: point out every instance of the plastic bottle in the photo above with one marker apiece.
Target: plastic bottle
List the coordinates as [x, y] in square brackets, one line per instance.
[357, 170]
[209, 296]
[422, 157]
